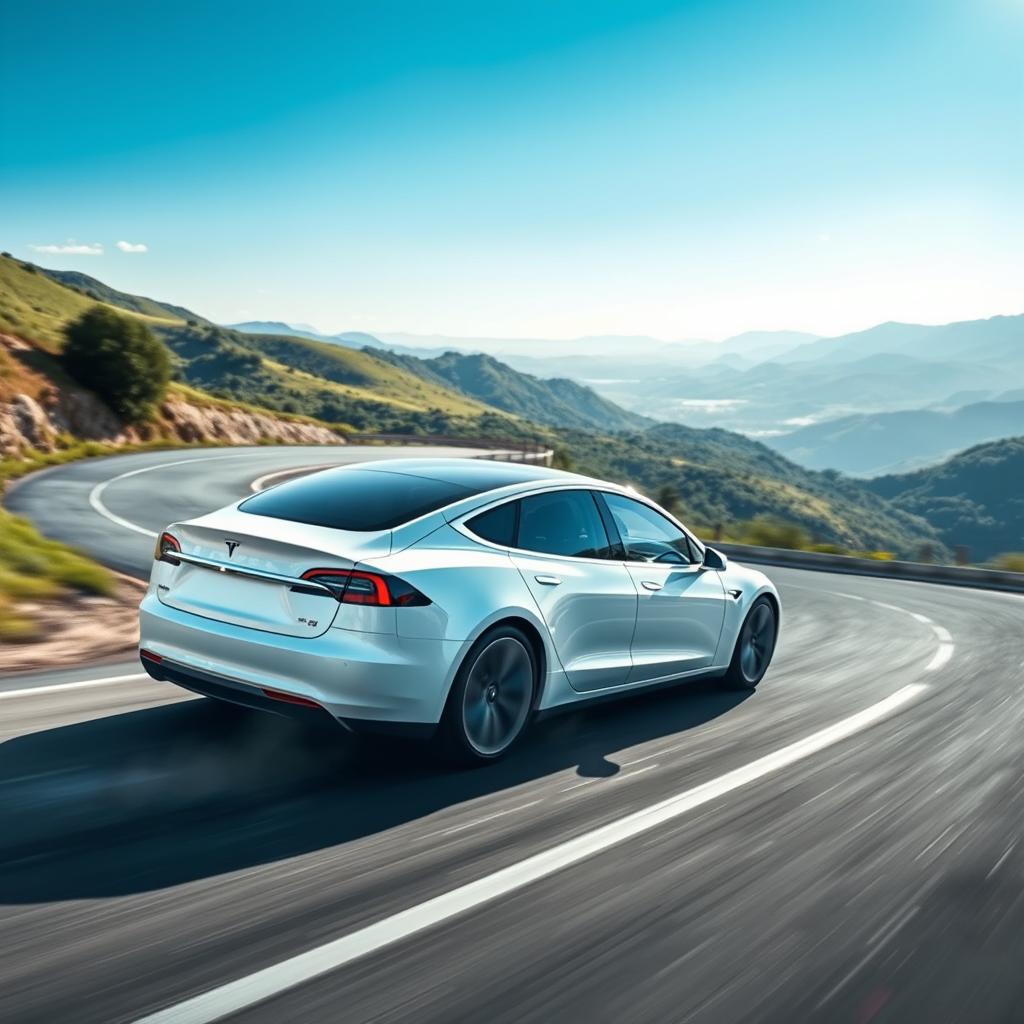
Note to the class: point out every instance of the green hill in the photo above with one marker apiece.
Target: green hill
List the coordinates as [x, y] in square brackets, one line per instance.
[35, 307]
[100, 292]
[362, 369]
[725, 479]
[974, 499]
[558, 402]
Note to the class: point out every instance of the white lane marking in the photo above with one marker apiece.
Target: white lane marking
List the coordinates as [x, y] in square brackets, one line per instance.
[260, 483]
[480, 821]
[80, 684]
[647, 757]
[270, 981]
[96, 494]
[576, 785]
[946, 646]
[942, 655]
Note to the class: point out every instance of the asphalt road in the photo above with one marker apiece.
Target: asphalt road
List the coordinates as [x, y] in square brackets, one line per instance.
[842, 845]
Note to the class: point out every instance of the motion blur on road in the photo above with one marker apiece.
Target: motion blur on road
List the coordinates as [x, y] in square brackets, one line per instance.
[840, 845]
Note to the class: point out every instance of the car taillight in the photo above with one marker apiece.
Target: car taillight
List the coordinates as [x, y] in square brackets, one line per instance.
[354, 586]
[165, 548]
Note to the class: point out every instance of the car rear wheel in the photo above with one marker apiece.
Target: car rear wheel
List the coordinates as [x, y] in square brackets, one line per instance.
[491, 698]
[754, 647]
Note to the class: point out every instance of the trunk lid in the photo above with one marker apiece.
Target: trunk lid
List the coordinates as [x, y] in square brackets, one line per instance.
[222, 589]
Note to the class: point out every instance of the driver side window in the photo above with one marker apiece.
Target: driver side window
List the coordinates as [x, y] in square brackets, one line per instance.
[647, 535]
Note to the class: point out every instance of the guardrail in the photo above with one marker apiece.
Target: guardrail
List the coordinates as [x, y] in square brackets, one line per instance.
[504, 450]
[958, 576]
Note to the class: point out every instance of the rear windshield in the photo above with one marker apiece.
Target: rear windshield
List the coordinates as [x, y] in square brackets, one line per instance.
[362, 501]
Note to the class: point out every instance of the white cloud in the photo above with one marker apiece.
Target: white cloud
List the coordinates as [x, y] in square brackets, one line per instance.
[133, 247]
[71, 248]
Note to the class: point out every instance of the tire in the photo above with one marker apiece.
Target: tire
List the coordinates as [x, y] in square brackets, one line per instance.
[491, 700]
[755, 646]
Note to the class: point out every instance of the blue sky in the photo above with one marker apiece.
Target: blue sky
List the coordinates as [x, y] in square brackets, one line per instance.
[544, 169]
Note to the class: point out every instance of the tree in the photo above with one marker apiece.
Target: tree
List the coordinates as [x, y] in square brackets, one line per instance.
[562, 459]
[119, 358]
[668, 498]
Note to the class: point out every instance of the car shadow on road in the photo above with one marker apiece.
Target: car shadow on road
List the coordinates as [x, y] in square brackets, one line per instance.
[152, 798]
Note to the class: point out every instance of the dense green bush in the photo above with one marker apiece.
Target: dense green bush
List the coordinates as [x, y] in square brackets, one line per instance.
[118, 358]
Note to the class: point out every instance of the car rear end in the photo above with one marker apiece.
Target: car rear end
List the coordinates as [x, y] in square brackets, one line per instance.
[270, 612]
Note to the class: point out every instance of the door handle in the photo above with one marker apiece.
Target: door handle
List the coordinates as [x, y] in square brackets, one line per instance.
[549, 581]
[651, 584]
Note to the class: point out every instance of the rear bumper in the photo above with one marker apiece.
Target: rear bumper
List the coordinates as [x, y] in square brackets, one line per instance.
[371, 679]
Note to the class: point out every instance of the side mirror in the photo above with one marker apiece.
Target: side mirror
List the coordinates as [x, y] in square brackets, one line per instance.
[714, 559]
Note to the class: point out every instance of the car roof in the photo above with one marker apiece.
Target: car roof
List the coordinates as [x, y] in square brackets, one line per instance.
[478, 474]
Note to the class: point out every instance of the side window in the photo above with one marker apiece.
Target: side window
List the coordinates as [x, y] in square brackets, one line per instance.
[498, 525]
[647, 535]
[562, 523]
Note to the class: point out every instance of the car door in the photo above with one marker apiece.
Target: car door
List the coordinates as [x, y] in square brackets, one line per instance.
[681, 606]
[582, 588]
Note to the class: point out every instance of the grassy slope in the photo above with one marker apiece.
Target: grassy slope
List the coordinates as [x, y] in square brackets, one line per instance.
[360, 371]
[100, 292]
[33, 568]
[557, 402]
[34, 307]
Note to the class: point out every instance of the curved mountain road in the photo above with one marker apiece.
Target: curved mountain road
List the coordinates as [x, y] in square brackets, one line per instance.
[842, 845]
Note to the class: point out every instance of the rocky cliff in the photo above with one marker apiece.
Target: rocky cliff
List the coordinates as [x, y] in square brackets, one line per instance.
[40, 422]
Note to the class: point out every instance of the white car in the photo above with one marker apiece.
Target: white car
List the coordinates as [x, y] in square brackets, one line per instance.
[447, 596]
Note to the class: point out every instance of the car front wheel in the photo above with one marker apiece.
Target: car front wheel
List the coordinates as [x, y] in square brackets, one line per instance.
[754, 647]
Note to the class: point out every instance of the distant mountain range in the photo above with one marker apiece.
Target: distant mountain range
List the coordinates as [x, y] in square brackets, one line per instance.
[891, 398]
[998, 340]
[350, 339]
[872, 444]
[752, 345]
[891, 368]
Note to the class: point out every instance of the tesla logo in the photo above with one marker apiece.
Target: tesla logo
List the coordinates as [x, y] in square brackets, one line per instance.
[231, 545]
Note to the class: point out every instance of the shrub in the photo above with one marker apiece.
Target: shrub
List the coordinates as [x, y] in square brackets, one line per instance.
[1012, 561]
[767, 533]
[119, 358]
[15, 628]
[828, 549]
